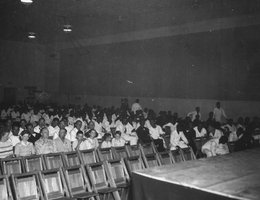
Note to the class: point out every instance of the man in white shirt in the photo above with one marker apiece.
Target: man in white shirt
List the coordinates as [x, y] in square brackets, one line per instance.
[13, 136]
[192, 115]
[156, 132]
[54, 128]
[200, 131]
[219, 114]
[61, 144]
[73, 132]
[136, 106]
[41, 124]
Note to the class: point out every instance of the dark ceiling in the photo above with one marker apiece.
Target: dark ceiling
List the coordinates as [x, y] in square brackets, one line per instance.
[92, 18]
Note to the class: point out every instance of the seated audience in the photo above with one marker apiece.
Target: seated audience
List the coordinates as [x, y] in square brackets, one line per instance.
[143, 133]
[118, 141]
[200, 131]
[6, 147]
[156, 132]
[14, 134]
[44, 145]
[92, 141]
[33, 137]
[24, 148]
[79, 143]
[106, 141]
[61, 144]
[178, 139]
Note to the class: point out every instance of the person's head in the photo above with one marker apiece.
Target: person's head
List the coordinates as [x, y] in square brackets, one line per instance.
[29, 127]
[62, 124]
[91, 125]
[45, 133]
[79, 135]
[218, 104]
[25, 135]
[23, 123]
[55, 122]
[152, 122]
[117, 134]
[65, 120]
[15, 128]
[223, 140]
[211, 114]
[124, 121]
[197, 109]
[62, 133]
[8, 124]
[107, 137]
[41, 122]
[4, 134]
[137, 101]
[142, 123]
[93, 133]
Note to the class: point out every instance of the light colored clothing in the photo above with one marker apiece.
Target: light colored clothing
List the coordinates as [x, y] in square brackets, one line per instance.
[106, 144]
[201, 133]
[127, 133]
[24, 149]
[14, 139]
[82, 146]
[91, 143]
[155, 132]
[44, 147]
[178, 140]
[54, 131]
[217, 134]
[222, 149]
[69, 129]
[219, 114]
[37, 129]
[26, 117]
[62, 146]
[172, 126]
[6, 149]
[73, 134]
[118, 143]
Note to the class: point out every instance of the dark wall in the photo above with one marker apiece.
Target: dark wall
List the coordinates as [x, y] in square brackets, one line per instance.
[213, 65]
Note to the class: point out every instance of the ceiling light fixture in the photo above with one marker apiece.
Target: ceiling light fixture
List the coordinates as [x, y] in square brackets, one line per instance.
[31, 35]
[27, 2]
[67, 28]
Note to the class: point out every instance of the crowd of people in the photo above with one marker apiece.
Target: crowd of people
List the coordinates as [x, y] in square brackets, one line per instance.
[42, 129]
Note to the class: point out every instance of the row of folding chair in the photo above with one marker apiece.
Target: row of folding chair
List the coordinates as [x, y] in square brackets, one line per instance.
[147, 153]
[101, 180]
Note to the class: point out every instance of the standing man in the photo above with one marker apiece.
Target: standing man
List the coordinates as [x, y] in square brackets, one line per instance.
[219, 114]
[192, 115]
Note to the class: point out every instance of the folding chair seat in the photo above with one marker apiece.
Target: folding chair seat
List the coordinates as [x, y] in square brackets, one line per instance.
[88, 156]
[12, 165]
[134, 163]
[151, 160]
[105, 154]
[148, 148]
[54, 185]
[5, 189]
[26, 186]
[177, 156]
[133, 150]
[188, 154]
[119, 152]
[53, 160]
[78, 183]
[33, 163]
[101, 179]
[71, 158]
[166, 158]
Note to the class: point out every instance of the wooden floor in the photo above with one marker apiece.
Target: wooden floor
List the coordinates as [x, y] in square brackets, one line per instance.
[235, 176]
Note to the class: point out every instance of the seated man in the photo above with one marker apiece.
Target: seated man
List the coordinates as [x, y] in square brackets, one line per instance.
[61, 144]
[156, 132]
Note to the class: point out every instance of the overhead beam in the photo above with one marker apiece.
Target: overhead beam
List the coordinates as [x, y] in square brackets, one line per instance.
[188, 28]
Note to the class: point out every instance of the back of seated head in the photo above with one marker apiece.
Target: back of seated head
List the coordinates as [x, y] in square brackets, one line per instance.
[118, 132]
[25, 132]
[28, 125]
[3, 131]
[16, 124]
[106, 135]
[56, 119]
[79, 132]
[223, 140]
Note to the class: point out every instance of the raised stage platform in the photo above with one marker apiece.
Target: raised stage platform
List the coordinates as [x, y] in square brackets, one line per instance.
[233, 176]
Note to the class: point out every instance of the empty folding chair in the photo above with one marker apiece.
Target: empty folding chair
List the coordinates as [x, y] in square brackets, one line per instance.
[133, 150]
[166, 158]
[177, 156]
[151, 160]
[119, 152]
[11, 165]
[5, 190]
[120, 176]
[53, 184]
[88, 156]
[78, 183]
[148, 148]
[71, 158]
[33, 163]
[26, 186]
[134, 163]
[53, 160]
[188, 154]
[105, 154]
[101, 179]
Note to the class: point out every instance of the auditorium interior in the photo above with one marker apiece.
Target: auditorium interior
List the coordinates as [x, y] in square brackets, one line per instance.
[129, 99]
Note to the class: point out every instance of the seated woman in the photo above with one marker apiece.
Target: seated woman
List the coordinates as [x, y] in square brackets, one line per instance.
[24, 148]
[216, 147]
[92, 142]
[79, 143]
[106, 141]
[44, 145]
[118, 141]
[178, 139]
[6, 147]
